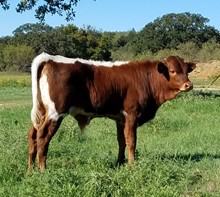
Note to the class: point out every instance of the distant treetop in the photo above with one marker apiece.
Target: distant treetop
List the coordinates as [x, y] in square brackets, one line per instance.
[45, 7]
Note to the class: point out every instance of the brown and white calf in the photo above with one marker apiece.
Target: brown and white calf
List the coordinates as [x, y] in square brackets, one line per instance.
[128, 92]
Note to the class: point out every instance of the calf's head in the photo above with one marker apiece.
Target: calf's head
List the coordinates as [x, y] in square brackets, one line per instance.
[176, 72]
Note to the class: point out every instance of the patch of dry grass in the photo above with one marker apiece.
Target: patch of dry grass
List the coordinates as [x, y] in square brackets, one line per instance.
[15, 79]
[206, 74]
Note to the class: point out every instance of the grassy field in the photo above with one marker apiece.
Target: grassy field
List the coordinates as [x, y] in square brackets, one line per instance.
[178, 152]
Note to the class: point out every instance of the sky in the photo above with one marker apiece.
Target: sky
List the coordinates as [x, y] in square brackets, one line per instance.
[114, 15]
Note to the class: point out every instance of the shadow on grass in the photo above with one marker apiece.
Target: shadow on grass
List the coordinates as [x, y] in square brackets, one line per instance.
[197, 157]
[178, 158]
[206, 93]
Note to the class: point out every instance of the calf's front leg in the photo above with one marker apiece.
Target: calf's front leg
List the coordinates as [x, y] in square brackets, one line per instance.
[126, 134]
[121, 143]
[130, 132]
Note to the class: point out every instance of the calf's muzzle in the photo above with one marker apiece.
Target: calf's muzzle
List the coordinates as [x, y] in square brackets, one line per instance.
[186, 86]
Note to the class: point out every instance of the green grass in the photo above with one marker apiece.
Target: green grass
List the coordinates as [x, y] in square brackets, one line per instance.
[178, 153]
[12, 96]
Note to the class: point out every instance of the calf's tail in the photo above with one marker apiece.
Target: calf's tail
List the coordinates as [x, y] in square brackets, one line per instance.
[37, 115]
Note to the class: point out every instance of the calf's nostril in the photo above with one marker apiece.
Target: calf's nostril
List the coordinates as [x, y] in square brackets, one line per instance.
[187, 85]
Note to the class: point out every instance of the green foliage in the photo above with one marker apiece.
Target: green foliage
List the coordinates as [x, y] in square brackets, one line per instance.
[209, 51]
[184, 34]
[37, 36]
[30, 28]
[178, 152]
[188, 50]
[123, 53]
[171, 30]
[17, 58]
[69, 41]
[123, 47]
[45, 7]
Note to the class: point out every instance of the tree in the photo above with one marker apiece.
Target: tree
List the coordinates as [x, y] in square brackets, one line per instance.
[33, 35]
[32, 28]
[48, 6]
[68, 41]
[101, 52]
[171, 30]
[17, 58]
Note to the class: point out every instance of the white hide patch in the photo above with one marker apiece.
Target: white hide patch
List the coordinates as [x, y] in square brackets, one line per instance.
[73, 111]
[44, 57]
[40, 91]
[45, 96]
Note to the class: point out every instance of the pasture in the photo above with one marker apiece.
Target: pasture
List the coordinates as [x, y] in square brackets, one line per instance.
[178, 153]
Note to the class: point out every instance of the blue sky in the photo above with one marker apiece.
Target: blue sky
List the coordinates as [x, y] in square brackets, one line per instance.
[115, 15]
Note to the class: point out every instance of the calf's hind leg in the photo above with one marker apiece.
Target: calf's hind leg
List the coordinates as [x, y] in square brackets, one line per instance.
[44, 136]
[32, 147]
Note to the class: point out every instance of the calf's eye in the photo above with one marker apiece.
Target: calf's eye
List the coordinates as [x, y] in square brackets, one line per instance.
[172, 71]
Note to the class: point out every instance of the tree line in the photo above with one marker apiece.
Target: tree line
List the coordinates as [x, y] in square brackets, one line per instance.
[184, 34]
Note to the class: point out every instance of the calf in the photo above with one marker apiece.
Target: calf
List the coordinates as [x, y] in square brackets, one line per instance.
[128, 92]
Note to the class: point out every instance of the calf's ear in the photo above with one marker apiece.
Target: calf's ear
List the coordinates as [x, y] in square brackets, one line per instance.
[191, 66]
[162, 69]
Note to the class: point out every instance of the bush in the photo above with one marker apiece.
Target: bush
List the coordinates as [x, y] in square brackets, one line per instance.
[188, 51]
[210, 51]
[17, 58]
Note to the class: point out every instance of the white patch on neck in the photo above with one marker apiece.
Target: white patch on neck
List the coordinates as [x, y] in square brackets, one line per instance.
[44, 57]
